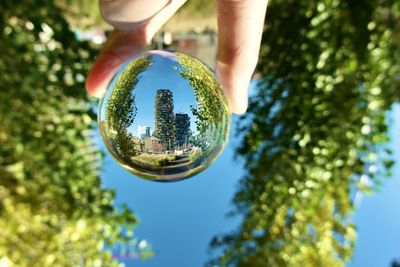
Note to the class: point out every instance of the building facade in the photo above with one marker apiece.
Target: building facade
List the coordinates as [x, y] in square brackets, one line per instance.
[182, 127]
[164, 118]
[153, 145]
[143, 131]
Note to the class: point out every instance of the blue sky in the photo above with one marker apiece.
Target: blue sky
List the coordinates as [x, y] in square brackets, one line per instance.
[160, 75]
[179, 219]
[378, 217]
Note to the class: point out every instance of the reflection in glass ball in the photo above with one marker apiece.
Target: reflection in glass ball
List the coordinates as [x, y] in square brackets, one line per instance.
[164, 116]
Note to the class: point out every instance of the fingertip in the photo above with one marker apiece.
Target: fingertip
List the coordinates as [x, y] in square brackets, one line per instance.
[101, 73]
[239, 108]
[92, 88]
[235, 86]
[239, 101]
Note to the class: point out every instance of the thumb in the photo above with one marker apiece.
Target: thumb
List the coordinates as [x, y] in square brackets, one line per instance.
[235, 86]
[120, 46]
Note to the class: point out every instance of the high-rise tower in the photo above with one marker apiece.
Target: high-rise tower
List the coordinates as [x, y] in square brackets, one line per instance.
[143, 131]
[182, 126]
[164, 118]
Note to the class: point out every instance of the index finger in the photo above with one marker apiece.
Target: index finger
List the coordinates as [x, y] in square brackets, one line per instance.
[240, 26]
[131, 38]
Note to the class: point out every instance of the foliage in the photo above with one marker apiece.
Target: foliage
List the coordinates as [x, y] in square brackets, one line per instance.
[82, 14]
[199, 15]
[156, 159]
[315, 132]
[193, 8]
[197, 140]
[121, 108]
[195, 154]
[53, 209]
[395, 263]
[211, 112]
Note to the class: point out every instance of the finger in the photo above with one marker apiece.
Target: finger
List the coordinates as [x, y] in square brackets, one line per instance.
[128, 15]
[164, 15]
[119, 47]
[123, 44]
[240, 25]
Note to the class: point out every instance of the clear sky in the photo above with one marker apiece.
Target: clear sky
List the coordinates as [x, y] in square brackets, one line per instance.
[378, 216]
[179, 219]
[160, 75]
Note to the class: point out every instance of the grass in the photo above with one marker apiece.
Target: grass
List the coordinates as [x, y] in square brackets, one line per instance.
[195, 155]
[155, 159]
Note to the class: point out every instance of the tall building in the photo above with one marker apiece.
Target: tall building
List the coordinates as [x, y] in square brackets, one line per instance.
[164, 118]
[143, 131]
[182, 126]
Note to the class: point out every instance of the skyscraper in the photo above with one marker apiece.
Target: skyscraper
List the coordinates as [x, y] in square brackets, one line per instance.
[165, 118]
[182, 126]
[143, 131]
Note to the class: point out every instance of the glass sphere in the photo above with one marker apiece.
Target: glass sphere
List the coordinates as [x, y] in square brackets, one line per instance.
[164, 116]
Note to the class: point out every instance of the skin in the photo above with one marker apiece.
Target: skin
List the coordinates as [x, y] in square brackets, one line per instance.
[240, 25]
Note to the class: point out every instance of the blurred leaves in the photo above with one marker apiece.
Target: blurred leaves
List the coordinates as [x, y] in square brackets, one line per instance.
[315, 133]
[82, 14]
[53, 209]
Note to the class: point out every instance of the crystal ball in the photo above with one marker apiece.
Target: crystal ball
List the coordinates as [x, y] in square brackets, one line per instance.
[164, 116]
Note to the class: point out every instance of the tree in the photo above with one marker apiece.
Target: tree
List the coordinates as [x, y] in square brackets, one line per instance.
[395, 263]
[120, 108]
[53, 209]
[317, 125]
[211, 111]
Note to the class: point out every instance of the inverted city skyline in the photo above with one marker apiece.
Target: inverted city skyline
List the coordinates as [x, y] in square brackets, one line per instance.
[170, 129]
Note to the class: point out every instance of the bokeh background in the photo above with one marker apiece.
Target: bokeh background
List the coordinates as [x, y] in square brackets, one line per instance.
[310, 177]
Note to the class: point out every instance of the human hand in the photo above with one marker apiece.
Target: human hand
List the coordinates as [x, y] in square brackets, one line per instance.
[240, 25]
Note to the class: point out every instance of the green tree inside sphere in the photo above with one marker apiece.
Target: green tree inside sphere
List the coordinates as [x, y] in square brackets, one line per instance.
[164, 116]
